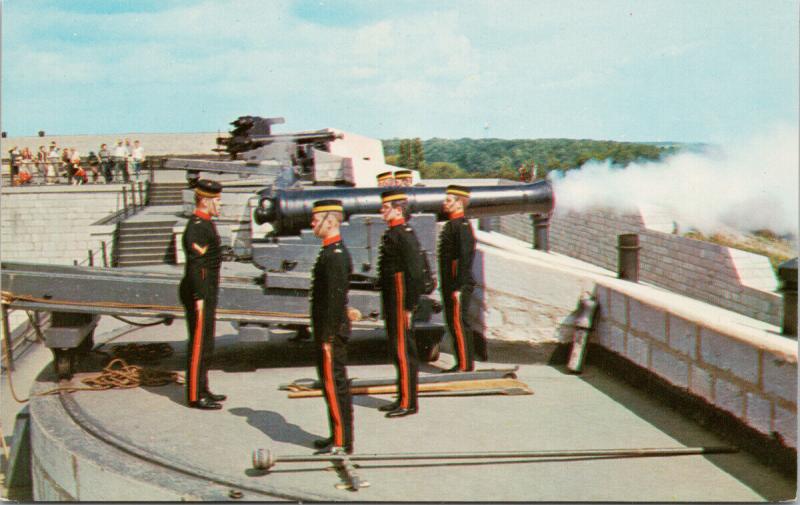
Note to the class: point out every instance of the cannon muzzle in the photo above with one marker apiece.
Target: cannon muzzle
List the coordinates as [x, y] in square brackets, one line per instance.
[289, 210]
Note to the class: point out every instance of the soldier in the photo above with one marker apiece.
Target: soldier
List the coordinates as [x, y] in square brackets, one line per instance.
[403, 178]
[198, 292]
[385, 180]
[456, 252]
[330, 323]
[401, 277]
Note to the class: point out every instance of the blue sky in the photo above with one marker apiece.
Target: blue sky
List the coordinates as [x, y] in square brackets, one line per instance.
[643, 70]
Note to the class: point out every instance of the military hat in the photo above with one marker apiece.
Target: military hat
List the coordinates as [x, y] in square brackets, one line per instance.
[384, 176]
[207, 188]
[327, 206]
[454, 189]
[393, 195]
[403, 174]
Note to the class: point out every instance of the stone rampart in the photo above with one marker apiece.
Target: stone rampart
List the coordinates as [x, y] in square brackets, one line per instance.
[747, 371]
[730, 278]
[52, 224]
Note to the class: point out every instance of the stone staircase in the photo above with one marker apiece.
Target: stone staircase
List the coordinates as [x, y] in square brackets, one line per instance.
[166, 193]
[144, 243]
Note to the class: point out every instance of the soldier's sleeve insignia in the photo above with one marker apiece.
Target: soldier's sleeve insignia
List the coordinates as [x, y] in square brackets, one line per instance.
[200, 249]
[338, 251]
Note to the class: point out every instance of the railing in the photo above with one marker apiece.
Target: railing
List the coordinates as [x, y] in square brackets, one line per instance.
[38, 171]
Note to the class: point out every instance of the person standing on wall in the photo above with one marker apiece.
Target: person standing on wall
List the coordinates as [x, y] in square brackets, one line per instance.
[105, 163]
[330, 323]
[456, 252]
[401, 277]
[121, 162]
[198, 292]
[137, 154]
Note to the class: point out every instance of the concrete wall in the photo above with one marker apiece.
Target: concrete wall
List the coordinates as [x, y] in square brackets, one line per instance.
[51, 224]
[743, 369]
[736, 280]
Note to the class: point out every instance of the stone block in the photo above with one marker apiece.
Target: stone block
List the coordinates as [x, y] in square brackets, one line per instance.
[638, 350]
[786, 425]
[729, 354]
[779, 377]
[648, 320]
[611, 336]
[683, 336]
[702, 384]
[618, 310]
[728, 396]
[759, 412]
[671, 367]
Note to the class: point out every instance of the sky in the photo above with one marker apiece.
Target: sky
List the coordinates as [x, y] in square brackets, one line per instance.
[717, 71]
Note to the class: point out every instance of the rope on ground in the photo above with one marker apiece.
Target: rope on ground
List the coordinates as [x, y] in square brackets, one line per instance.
[120, 375]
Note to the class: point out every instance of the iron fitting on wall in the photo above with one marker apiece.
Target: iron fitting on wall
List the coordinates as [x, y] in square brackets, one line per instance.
[541, 232]
[628, 257]
[787, 272]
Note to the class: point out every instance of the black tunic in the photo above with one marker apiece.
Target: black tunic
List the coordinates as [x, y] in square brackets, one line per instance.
[201, 246]
[331, 328]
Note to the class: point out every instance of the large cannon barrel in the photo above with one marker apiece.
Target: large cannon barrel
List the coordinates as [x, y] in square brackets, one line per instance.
[289, 210]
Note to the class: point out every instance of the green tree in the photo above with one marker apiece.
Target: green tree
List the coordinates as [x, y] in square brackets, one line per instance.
[417, 154]
[404, 155]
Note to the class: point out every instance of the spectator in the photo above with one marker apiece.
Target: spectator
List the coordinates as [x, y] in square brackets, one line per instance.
[93, 162]
[41, 163]
[66, 165]
[52, 166]
[120, 162]
[14, 158]
[138, 158]
[77, 173]
[105, 162]
[128, 155]
[25, 166]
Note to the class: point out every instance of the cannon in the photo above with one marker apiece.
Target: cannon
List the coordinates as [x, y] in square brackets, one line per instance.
[269, 287]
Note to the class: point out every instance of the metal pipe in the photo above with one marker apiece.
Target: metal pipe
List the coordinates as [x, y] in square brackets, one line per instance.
[91, 258]
[105, 254]
[7, 338]
[141, 196]
[541, 232]
[125, 199]
[268, 459]
[133, 196]
[628, 256]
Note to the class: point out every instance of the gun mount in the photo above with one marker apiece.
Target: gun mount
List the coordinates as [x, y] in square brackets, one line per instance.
[272, 291]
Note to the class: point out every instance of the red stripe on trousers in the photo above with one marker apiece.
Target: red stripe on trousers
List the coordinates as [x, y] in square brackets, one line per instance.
[194, 369]
[327, 366]
[405, 394]
[462, 355]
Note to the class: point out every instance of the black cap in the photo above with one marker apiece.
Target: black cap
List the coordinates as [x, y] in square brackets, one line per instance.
[207, 188]
[403, 174]
[327, 206]
[454, 189]
[393, 195]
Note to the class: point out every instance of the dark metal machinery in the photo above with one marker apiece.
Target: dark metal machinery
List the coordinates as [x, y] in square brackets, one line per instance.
[275, 291]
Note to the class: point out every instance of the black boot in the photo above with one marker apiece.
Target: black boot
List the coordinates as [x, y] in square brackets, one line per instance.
[213, 397]
[321, 443]
[389, 407]
[205, 403]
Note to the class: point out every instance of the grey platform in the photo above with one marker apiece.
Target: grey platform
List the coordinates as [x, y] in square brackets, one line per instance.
[143, 444]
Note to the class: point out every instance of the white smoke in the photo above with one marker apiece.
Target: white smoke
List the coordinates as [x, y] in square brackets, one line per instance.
[748, 186]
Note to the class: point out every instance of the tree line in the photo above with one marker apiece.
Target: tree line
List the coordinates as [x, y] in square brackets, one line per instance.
[462, 158]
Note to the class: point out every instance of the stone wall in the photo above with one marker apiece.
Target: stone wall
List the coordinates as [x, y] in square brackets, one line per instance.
[51, 224]
[747, 371]
[736, 280]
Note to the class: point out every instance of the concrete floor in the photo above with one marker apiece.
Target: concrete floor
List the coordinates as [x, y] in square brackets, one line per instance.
[590, 411]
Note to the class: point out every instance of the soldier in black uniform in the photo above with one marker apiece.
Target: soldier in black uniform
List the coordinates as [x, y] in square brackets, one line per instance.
[401, 277]
[198, 292]
[456, 252]
[330, 323]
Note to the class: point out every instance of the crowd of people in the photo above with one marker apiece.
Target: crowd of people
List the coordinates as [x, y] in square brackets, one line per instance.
[56, 165]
